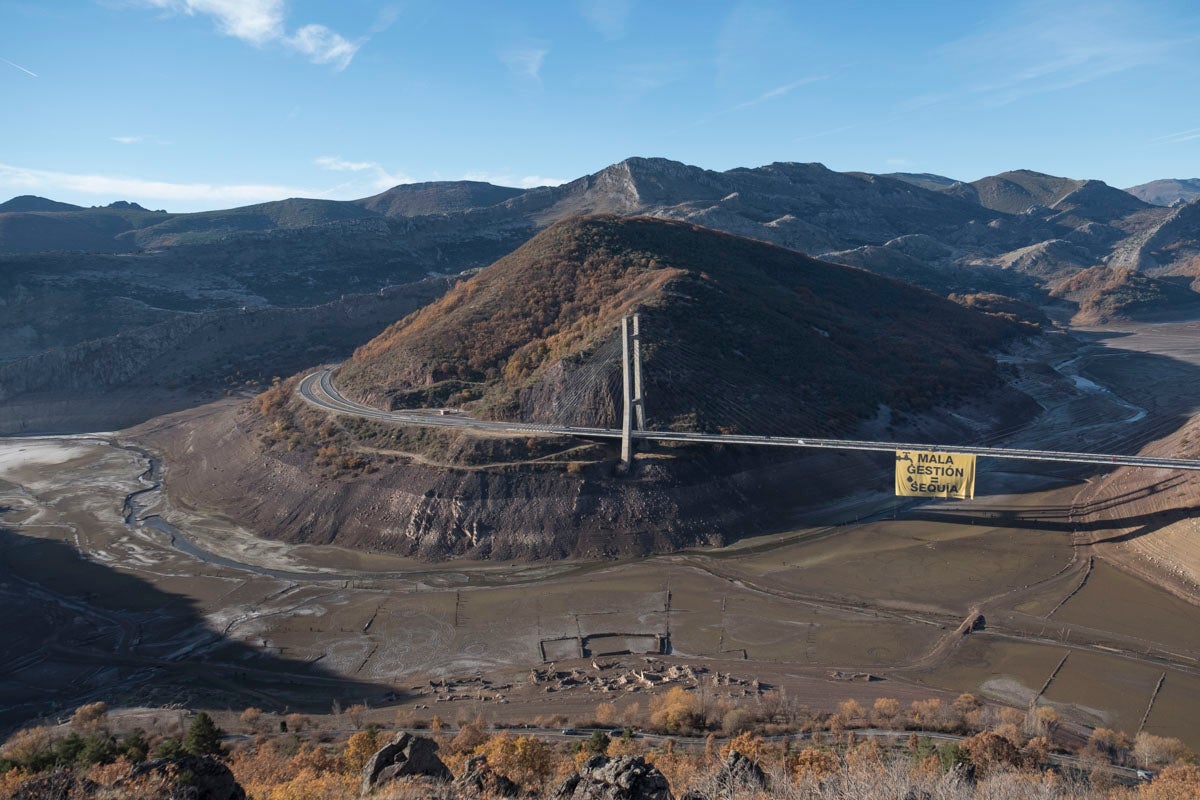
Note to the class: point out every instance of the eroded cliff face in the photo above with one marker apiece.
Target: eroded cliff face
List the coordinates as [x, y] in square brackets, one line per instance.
[569, 504]
[431, 512]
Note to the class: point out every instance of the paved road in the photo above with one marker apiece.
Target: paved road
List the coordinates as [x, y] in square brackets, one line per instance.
[318, 390]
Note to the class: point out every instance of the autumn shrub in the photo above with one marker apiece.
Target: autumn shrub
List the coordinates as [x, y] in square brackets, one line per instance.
[625, 745]
[676, 711]
[927, 715]
[12, 777]
[737, 720]
[1113, 746]
[991, 752]
[885, 712]
[358, 750]
[356, 714]
[29, 748]
[92, 715]
[813, 764]
[1042, 722]
[864, 755]
[748, 744]
[1153, 751]
[606, 713]
[297, 722]
[108, 773]
[525, 760]
[251, 719]
[852, 714]
[1173, 783]
[469, 737]
[268, 771]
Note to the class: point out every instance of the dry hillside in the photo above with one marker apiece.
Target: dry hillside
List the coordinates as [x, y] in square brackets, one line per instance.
[729, 323]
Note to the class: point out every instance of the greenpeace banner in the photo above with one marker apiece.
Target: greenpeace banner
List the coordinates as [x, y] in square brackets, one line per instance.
[922, 474]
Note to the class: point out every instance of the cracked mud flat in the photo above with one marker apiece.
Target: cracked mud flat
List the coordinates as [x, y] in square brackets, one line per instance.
[106, 608]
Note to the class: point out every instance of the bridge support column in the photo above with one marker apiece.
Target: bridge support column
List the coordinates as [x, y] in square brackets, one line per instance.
[626, 398]
[639, 396]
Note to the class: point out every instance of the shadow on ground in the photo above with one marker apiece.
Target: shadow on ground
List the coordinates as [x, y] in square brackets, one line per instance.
[1067, 519]
[76, 631]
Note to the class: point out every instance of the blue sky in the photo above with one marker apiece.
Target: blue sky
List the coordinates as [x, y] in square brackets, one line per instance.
[194, 104]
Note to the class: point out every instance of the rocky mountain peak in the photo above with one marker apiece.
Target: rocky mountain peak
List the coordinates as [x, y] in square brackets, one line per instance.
[1167, 191]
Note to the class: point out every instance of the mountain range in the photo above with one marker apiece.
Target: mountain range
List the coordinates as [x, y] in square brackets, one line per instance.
[1168, 191]
[72, 276]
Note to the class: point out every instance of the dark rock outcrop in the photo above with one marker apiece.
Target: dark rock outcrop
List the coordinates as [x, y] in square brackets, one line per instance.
[621, 778]
[59, 785]
[185, 778]
[405, 756]
[478, 778]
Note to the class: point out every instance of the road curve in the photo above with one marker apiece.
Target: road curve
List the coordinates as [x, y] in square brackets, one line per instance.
[318, 390]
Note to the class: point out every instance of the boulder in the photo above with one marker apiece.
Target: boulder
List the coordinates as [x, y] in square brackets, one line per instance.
[621, 778]
[183, 778]
[404, 756]
[59, 785]
[478, 778]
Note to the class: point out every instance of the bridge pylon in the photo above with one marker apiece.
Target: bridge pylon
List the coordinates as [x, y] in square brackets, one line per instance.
[632, 400]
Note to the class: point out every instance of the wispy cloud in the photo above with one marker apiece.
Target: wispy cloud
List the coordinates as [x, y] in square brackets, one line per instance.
[778, 91]
[342, 165]
[765, 97]
[378, 177]
[140, 139]
[638, 78]
[18, 66]
[608, 17]
[524, 62]
[263, 22]
[324, 46]
[530, 181]
[1050, 47]
[509, 179]
[1177, 137]
[25, 180]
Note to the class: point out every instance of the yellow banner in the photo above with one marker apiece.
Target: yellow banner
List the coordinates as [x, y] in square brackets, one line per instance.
[924, 474]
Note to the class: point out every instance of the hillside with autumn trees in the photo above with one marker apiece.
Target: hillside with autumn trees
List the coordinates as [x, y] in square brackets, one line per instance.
[727, 322]
[674, 747]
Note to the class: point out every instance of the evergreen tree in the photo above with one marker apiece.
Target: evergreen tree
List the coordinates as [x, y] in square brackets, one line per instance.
[68, 748]
[98, 748]
[203, 736]
[169, 748]
[135, 747]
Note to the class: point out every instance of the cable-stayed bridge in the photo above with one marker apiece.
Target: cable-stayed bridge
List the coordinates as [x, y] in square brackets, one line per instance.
[318, 390]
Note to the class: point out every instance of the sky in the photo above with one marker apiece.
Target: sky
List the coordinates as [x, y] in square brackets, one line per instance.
[198, 104]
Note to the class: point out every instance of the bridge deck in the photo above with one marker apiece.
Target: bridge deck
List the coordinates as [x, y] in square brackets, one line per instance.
[318, 390]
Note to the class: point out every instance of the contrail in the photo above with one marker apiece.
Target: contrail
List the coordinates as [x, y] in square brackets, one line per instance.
[18, 66]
